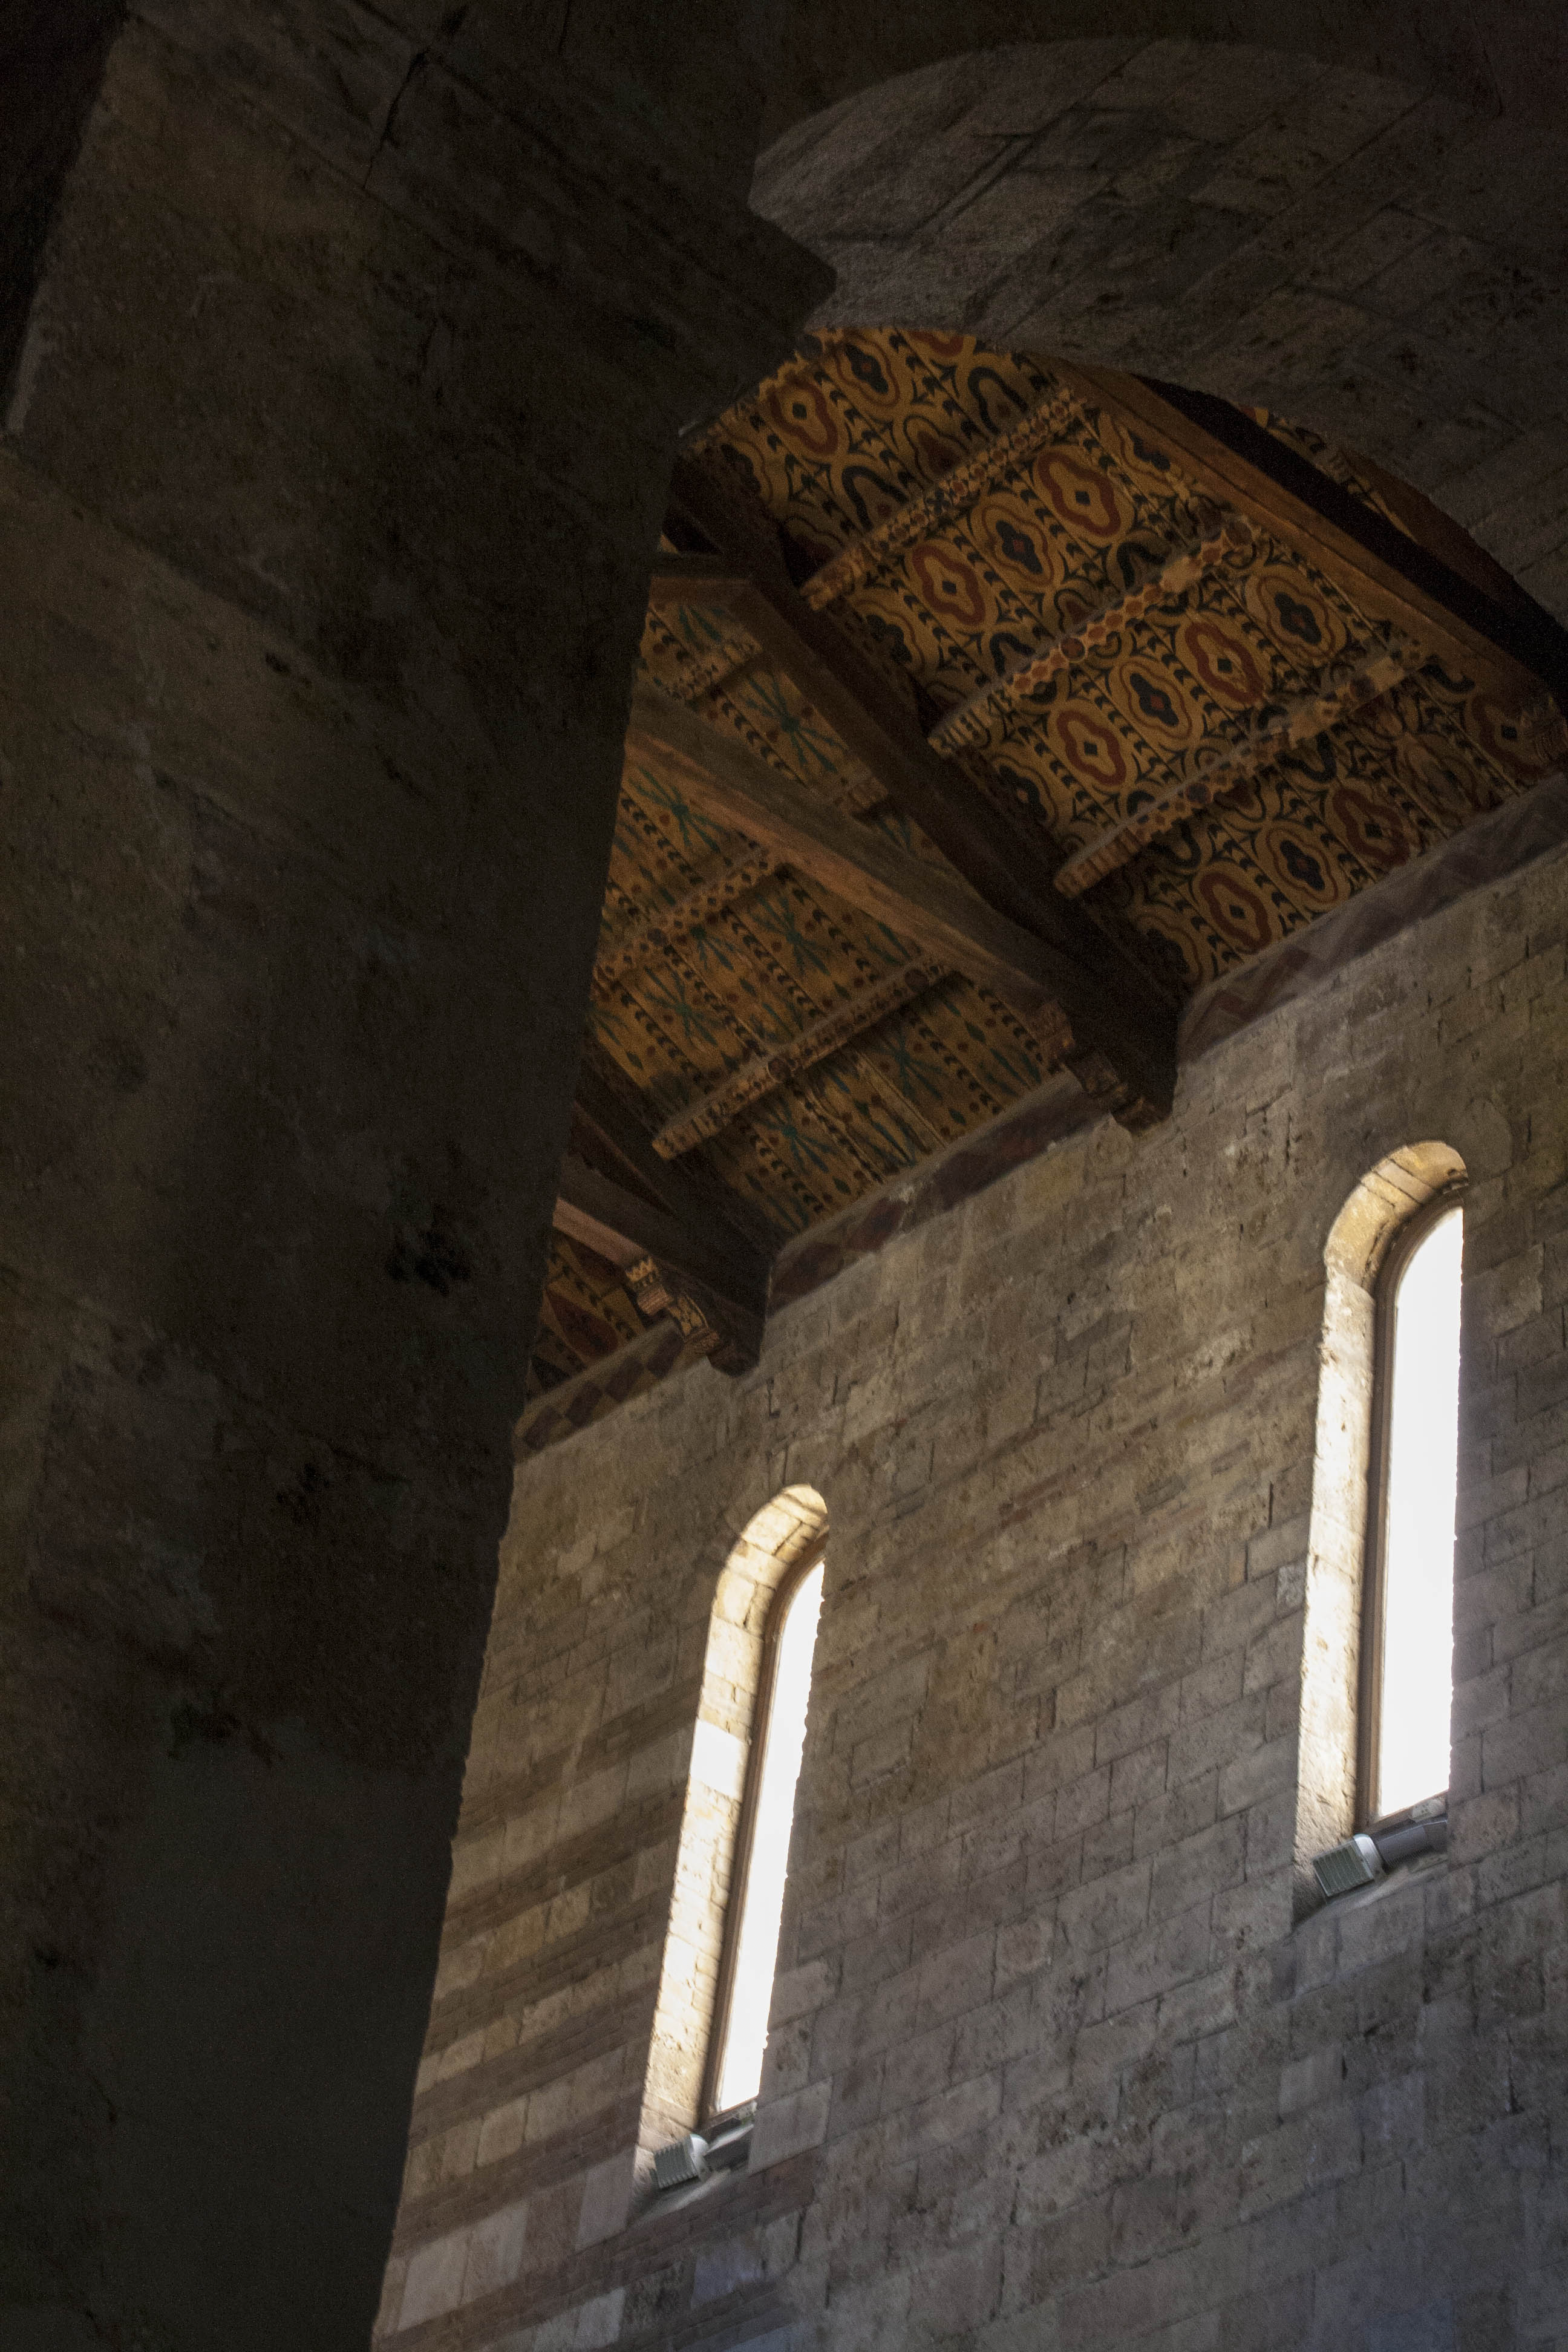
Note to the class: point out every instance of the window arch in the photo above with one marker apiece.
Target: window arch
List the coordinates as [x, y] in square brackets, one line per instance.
[1407, 1610]
[762, 1589]
[1349, 1641]
[750, 1952]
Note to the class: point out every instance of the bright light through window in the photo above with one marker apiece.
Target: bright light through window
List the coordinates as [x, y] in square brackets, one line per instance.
[761, 1897]
[1418, 1537]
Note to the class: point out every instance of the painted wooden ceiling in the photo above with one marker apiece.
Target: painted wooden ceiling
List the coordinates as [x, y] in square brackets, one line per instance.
[1211, 731]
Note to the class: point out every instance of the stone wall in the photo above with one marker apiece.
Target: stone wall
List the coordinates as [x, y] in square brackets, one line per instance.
[1053, 2061]
[51, 55]
[335, 455]
[1497, 59]
[1375, 253]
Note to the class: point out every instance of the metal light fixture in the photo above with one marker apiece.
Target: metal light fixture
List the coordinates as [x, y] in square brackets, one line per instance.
[1357, 1861]
[682, 2161]
[726, 2142]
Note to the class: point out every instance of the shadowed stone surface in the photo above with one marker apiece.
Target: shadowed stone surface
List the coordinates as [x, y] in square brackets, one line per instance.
[337, 450]
[1052, 2060]
[1380, 258]
[1512, 62]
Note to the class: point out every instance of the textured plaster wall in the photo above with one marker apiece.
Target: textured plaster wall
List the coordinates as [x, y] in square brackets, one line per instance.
[1052, 2064]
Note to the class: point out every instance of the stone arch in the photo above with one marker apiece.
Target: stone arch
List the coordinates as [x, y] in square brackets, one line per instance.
[1501, 60]
[787, 1532]
[1385, 1199]
[1287, 231]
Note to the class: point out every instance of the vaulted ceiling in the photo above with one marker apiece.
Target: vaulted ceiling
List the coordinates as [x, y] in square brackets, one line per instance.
[990, 707]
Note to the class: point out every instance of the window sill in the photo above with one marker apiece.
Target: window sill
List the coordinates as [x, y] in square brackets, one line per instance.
[1420, 1866]
[657, 2204]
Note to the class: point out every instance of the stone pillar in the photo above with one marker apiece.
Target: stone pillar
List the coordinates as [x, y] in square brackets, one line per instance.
[335, 452]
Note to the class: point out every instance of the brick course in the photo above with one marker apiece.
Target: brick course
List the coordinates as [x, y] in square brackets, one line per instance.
[1059, 2059]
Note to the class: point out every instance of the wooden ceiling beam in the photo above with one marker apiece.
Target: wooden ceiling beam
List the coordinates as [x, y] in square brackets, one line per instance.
[1156, 580]
[684, 578]
[946, 498]
[1220, 769]
[1440, 535]
[703, 580]
[759, 1077]
[1393, 579]
[683, 915]
[592, 1208]
[880, 729]
[697, 1233]
[608, 1133]
[1119, 1010]
[914, 898]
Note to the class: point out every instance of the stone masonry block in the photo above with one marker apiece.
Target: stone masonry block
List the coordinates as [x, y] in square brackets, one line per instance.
[786, 2127]
[1199, 1866]
[1307, 2082]
[1044, 1980]
[1258, 1776]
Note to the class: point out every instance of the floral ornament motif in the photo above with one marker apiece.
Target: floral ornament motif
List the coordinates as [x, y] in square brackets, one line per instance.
[1093, 750]
[950, 584]
[698, 834]
[912, 1071]
[1017, 546]
[1081, 496]
[1301, 863]
[1225, 663]
[845, 443]
[803, 420]
[1371, 827]
[1235, 907]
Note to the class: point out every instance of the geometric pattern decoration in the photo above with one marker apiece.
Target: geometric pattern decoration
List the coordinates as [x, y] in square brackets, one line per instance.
[588, 1312]
[1017, 554]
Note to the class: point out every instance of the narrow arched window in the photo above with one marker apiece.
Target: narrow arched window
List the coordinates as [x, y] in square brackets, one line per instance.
[715, 1982]
[1407, 1631]
[750, 1950]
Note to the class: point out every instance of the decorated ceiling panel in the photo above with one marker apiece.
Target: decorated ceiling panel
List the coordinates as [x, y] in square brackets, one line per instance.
[834, 447]
[1209, 728]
